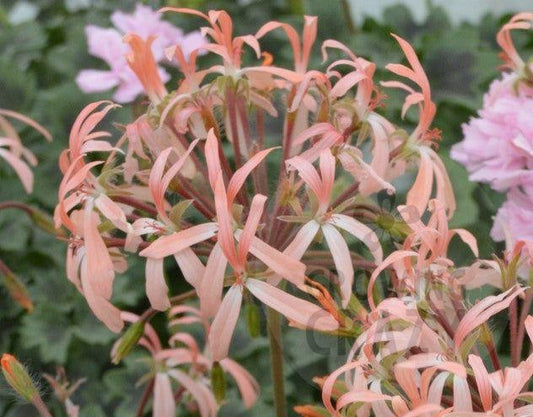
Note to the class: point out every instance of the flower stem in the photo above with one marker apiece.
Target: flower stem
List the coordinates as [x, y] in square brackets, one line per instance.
[41, 407]
[276, 361]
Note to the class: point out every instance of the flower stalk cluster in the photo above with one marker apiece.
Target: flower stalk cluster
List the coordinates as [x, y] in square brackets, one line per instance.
[259, 182]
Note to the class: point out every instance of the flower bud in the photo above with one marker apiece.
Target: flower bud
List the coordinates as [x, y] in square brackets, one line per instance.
[18, 378]
[17, 290]
[218, 382]
[253, 319]
[128, 341]
[311, 411]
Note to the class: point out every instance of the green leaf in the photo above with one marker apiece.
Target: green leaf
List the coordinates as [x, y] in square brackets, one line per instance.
[48, 330]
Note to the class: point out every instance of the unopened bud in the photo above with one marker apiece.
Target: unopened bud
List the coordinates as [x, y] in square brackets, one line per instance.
[218, 382]
[253, 319]
[17, 290]
[18, 378]
[311, 411]
[128, 341]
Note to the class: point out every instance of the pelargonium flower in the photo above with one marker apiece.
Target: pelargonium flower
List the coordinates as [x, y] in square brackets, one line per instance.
[498, 145]
[107, 44]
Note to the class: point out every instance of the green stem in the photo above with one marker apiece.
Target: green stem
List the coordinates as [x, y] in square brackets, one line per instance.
[276, 361]
[348, 16]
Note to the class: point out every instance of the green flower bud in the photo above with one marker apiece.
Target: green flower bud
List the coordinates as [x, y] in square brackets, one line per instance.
[128, 341]
[18, 378]
[253, 319]
[18, 291]
[218, 382]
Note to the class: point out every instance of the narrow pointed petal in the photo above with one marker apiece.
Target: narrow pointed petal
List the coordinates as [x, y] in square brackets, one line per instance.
[343, 261]
[250, 228]
[462, 400]
[239, 177]
[212, 157]
[212, 283]
[484, 310]
[99, 264]
[482, 381]
[156, 286]
[362, 232]
[190, 265]
[176, 242]
[283, 265]
[204, 398]
[22, 169]
[418, 195]
[302, 240]
[224, 323]
[391, 259]
[225, 225]
[164, 403]
[248, 386]
[295, 309]
[102, 308]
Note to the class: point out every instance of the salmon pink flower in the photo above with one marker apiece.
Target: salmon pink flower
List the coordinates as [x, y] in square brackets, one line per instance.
[431, 168]
[328, 222]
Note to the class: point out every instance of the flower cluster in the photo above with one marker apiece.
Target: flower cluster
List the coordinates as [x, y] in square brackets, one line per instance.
[498, 145]
[259, 182]
[107, 44]
[425, 351]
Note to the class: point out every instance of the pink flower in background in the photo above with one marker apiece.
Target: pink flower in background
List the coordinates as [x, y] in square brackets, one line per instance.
[498, 145]
[107, 44]
[513, 220]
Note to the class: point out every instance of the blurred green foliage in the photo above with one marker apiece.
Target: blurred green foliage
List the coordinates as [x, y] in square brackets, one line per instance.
[42, 48]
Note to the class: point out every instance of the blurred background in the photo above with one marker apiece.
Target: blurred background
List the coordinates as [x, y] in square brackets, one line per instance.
[42, 49]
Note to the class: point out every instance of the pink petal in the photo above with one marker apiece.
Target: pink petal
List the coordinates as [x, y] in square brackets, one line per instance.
[190, 265]
[212, 157]
[176, 242]
[283, 265]
[111, 211]
[468, 238]
[329, 383]
[156, 286]
[164, 404]
[482, 381]
[224, 323]
[204, 398]
[248, 386]
[484, 310]
[212, 283]
[309, 174]
[250, 228]
[391, 259]
[102, 308]
[360, 396]
[302, 240]
[299, 311]
[239, 177]
[225, 224]
[418, 195]
[347, 82]
[462, 400]
[342, 259]
[362, 232]
[99, 265]
[22, 169]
